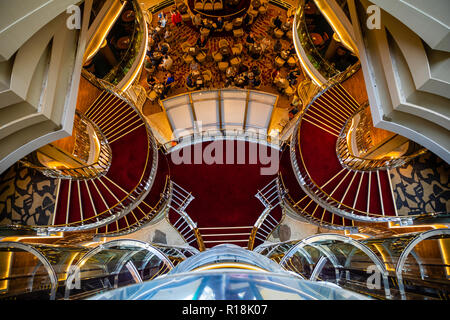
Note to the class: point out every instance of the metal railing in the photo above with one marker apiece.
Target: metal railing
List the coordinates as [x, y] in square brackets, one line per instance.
[180, 199]
[352, 162]
[137, 94]
[266, 223]
[89, 171]
[220, 134]
[119, 71]
[290, 207]
[322, 65]
[133, 198]
[160, 208]
[315, 192]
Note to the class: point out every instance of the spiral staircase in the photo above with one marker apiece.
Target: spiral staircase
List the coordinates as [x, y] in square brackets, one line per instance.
[130, 193]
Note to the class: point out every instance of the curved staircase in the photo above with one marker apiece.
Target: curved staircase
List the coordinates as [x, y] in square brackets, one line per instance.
[93, 203]
[357, 195]
[154, 203]
[298, 203]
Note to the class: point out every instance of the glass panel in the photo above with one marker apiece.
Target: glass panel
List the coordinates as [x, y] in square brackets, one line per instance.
[23, 275]
[230, 285]
[114, 267]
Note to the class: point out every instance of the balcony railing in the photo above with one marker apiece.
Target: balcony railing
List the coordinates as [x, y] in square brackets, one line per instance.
[321, 197]
[306, 49]
[289, 205]
[352, 162]
[160, 208]
[266, 223]
[188, 230]
[128, 59]
[82, 145]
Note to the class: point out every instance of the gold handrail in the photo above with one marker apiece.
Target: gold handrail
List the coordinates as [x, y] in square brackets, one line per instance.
[94, 170]
[349, 160]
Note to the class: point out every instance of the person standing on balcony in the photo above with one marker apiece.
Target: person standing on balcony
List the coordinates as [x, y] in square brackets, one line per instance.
[176, 18]
[162, 19]
[197, 20]
[219, 24]
[167, 85]
[201, 41]
[167, 63]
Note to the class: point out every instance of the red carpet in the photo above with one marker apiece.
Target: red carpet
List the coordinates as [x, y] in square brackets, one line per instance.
[143, 213]
[305, 207]
[320, 126]
[130, 166]
[224, 194]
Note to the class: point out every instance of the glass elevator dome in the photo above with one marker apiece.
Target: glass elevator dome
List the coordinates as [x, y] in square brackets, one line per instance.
[228, 272]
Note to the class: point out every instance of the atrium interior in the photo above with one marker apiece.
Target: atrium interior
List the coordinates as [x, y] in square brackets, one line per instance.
[224, 150]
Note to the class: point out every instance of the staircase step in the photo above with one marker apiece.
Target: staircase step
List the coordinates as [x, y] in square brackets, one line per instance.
[75, 209]
[61, 209]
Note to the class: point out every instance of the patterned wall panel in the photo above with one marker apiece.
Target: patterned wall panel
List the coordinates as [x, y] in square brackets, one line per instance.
[422, 186]
[26, 196]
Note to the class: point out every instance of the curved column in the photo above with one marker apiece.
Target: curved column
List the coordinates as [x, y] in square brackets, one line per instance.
[136, 243]
[408, 249]
[29, 248]
[323, 237]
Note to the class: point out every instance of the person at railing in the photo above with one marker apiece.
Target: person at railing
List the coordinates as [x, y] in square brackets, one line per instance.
[278, 22]
[176, 18]
[167, 63]
[197, 20]
[343, 59]
[201, 41]
[219, 24]
[162, 19]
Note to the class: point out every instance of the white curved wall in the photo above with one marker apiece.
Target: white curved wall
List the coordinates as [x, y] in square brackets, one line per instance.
[40, 67]
[430, 20]
[407, 81]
